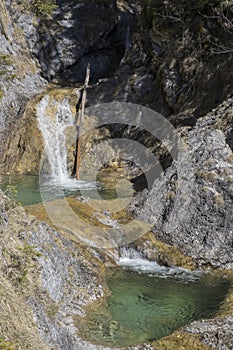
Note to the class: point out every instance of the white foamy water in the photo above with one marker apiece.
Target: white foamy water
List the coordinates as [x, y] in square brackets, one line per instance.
[53, 131]
[134, 260]
[105, 219]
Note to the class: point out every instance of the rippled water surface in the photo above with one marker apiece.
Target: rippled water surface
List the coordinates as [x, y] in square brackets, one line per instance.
[30, 189]
[147, 301]
[144, 307]
[22, 188]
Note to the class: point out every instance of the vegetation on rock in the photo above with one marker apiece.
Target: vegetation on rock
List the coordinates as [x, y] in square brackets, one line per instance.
[40, 7]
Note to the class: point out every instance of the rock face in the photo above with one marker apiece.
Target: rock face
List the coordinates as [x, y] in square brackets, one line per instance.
[191, 205]
[160, 54]
[217, 333]
[47, 280]
[172, 56]
[76, 27]
[80, 32]
[186, 45]
[20, 80]
[69, 278]
[178, 62]
[58, 48]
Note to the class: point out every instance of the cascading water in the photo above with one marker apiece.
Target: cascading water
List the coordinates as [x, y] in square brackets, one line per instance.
[54, 117]
[132, 259]
[53, 134]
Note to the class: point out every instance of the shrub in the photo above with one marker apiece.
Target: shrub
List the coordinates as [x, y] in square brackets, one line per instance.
[43, 7]
[40, 7]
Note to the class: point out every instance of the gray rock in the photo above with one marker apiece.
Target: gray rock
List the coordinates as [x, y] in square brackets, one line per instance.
[67, 278]
[191, 205]
[20, 77]
[215, 333]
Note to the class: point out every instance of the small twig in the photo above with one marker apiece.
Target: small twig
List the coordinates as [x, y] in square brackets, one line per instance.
[173, 18]
[207, 16]
[222, 49]
[184, 87]
[227, 25]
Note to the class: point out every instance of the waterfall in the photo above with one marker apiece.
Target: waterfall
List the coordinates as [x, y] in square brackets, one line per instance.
[135, 260]
[129, 253]
[52, 128]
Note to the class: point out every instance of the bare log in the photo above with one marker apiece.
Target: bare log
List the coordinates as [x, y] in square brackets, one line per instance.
[82, 111]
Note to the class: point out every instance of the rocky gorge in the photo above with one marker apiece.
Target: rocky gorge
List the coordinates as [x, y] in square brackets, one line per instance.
[169, 56]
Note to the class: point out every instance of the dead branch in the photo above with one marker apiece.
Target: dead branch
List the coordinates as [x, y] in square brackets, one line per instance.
[83, 103]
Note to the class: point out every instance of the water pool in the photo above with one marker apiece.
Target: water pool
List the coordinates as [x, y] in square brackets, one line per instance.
[143, 307]
[26, 189]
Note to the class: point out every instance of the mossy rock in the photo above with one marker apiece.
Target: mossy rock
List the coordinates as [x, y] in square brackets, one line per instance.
[162, 253]
[180, 341]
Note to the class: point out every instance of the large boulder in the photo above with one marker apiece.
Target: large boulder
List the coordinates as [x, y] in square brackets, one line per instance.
[191, 205]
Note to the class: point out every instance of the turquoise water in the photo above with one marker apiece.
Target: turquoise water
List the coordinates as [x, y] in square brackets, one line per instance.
[27, 189]
[144, 308]
[22, 188]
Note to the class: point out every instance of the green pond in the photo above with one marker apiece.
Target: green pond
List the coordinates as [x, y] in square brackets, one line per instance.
[143, 307]
[22, 188]
[30, 189]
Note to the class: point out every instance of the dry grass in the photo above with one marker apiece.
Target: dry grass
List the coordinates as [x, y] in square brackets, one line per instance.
[219, 200]
[18, 280]
[206, 175]
[17, 327]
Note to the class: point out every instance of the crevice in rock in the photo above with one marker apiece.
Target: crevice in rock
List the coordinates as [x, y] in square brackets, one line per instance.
[103, 62]
[81, 33]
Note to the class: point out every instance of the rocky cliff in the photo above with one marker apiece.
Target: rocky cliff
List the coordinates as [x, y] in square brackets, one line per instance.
[191, 205]
[168, 55]
[179, 59]
[20, 81]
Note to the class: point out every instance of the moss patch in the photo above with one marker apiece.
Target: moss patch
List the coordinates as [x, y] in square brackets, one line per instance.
[163, 253]
[226, 308]
[180, 341]
[6, 345]
[84, 211]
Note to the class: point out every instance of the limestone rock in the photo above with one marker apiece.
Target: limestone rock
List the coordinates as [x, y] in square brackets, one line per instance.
[215, 333]
[191, 205]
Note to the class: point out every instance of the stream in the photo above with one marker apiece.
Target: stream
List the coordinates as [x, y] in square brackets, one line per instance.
[147, 301]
